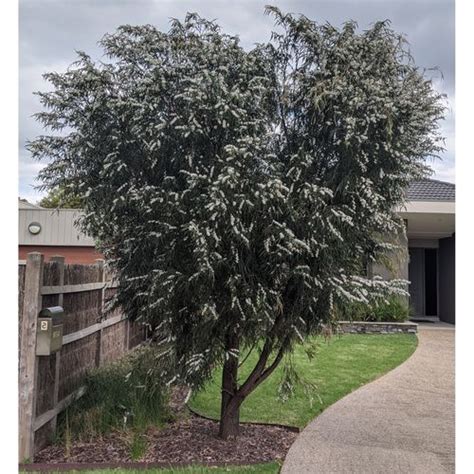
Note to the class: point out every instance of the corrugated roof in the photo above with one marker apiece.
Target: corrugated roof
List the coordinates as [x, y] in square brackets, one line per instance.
[431, 190]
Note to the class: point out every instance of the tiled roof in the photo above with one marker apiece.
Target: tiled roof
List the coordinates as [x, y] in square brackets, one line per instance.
[26, 205]
[431, 190]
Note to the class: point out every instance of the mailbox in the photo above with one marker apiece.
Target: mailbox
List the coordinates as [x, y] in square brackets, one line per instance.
[49, 331]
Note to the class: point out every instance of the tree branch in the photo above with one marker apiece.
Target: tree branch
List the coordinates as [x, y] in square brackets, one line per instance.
[253, 379]
[248, 354]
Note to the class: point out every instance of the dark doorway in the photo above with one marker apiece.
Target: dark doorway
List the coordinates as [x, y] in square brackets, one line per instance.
[416, 275]
[431, 283]
[423, 276]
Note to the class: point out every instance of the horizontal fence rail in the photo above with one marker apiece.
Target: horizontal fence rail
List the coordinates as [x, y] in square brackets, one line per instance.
[41, 420]
[77, 288]
[75, 336]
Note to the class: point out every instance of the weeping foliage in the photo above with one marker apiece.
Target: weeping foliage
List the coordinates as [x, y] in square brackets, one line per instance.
[240, 192]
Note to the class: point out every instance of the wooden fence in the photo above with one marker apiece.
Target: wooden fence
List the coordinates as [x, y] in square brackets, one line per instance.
[48, 384]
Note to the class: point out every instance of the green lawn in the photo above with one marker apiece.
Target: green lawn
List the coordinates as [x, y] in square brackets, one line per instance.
[341, 365]
[266, 468]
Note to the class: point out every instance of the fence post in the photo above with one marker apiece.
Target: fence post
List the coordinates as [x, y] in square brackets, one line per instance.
[60, 261]
[102, 278]
[128, 335]
[28, 370]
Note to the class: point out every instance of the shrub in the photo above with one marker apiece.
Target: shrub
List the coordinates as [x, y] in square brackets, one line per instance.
[392, 309]
[126, 393]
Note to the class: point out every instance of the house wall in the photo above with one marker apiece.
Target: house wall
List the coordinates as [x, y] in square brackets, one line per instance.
[58, 228]
[59, 235]
[396, 264]
[447, 277]
[423, 243]
[83, 255]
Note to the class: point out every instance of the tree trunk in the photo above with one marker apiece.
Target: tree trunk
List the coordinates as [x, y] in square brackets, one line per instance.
[230, 419]
[230, 405]
[232, 395]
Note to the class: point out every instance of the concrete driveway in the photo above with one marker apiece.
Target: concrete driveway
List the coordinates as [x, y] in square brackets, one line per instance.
[400, 423]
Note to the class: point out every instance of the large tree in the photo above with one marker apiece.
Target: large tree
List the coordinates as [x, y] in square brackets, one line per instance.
[239, 195]
[58, 198]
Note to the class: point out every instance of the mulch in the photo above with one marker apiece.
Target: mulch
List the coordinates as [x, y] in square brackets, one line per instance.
[189, 440]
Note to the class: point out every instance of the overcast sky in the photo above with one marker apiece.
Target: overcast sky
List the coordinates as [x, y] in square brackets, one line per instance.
[51, 30]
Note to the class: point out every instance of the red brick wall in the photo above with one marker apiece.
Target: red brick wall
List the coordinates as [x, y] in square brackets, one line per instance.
[84, 255]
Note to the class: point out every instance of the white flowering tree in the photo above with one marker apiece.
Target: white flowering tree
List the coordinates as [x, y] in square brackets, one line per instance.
[239, 194]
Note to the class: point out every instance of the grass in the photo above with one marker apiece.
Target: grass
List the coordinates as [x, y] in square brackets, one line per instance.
[266, 468]
[341, 365]
[125, 394]
[138, 446]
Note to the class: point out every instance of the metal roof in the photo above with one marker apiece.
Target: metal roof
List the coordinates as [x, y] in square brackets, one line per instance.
[431, 190]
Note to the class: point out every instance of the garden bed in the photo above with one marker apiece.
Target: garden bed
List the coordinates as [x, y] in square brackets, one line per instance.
[192, 440]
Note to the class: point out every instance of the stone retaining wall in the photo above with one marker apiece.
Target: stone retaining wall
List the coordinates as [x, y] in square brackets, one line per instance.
[364, 327]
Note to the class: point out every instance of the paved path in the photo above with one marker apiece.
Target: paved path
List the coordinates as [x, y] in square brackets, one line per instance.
[400, 423]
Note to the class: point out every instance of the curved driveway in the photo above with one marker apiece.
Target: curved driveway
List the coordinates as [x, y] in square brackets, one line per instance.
[402, 422]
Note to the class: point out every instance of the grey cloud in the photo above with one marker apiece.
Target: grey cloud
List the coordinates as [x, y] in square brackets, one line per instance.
[51, 30]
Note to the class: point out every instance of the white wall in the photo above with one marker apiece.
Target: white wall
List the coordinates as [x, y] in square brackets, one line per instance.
[57, 227]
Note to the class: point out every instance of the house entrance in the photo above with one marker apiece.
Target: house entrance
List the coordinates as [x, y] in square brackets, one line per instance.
[423, 276]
